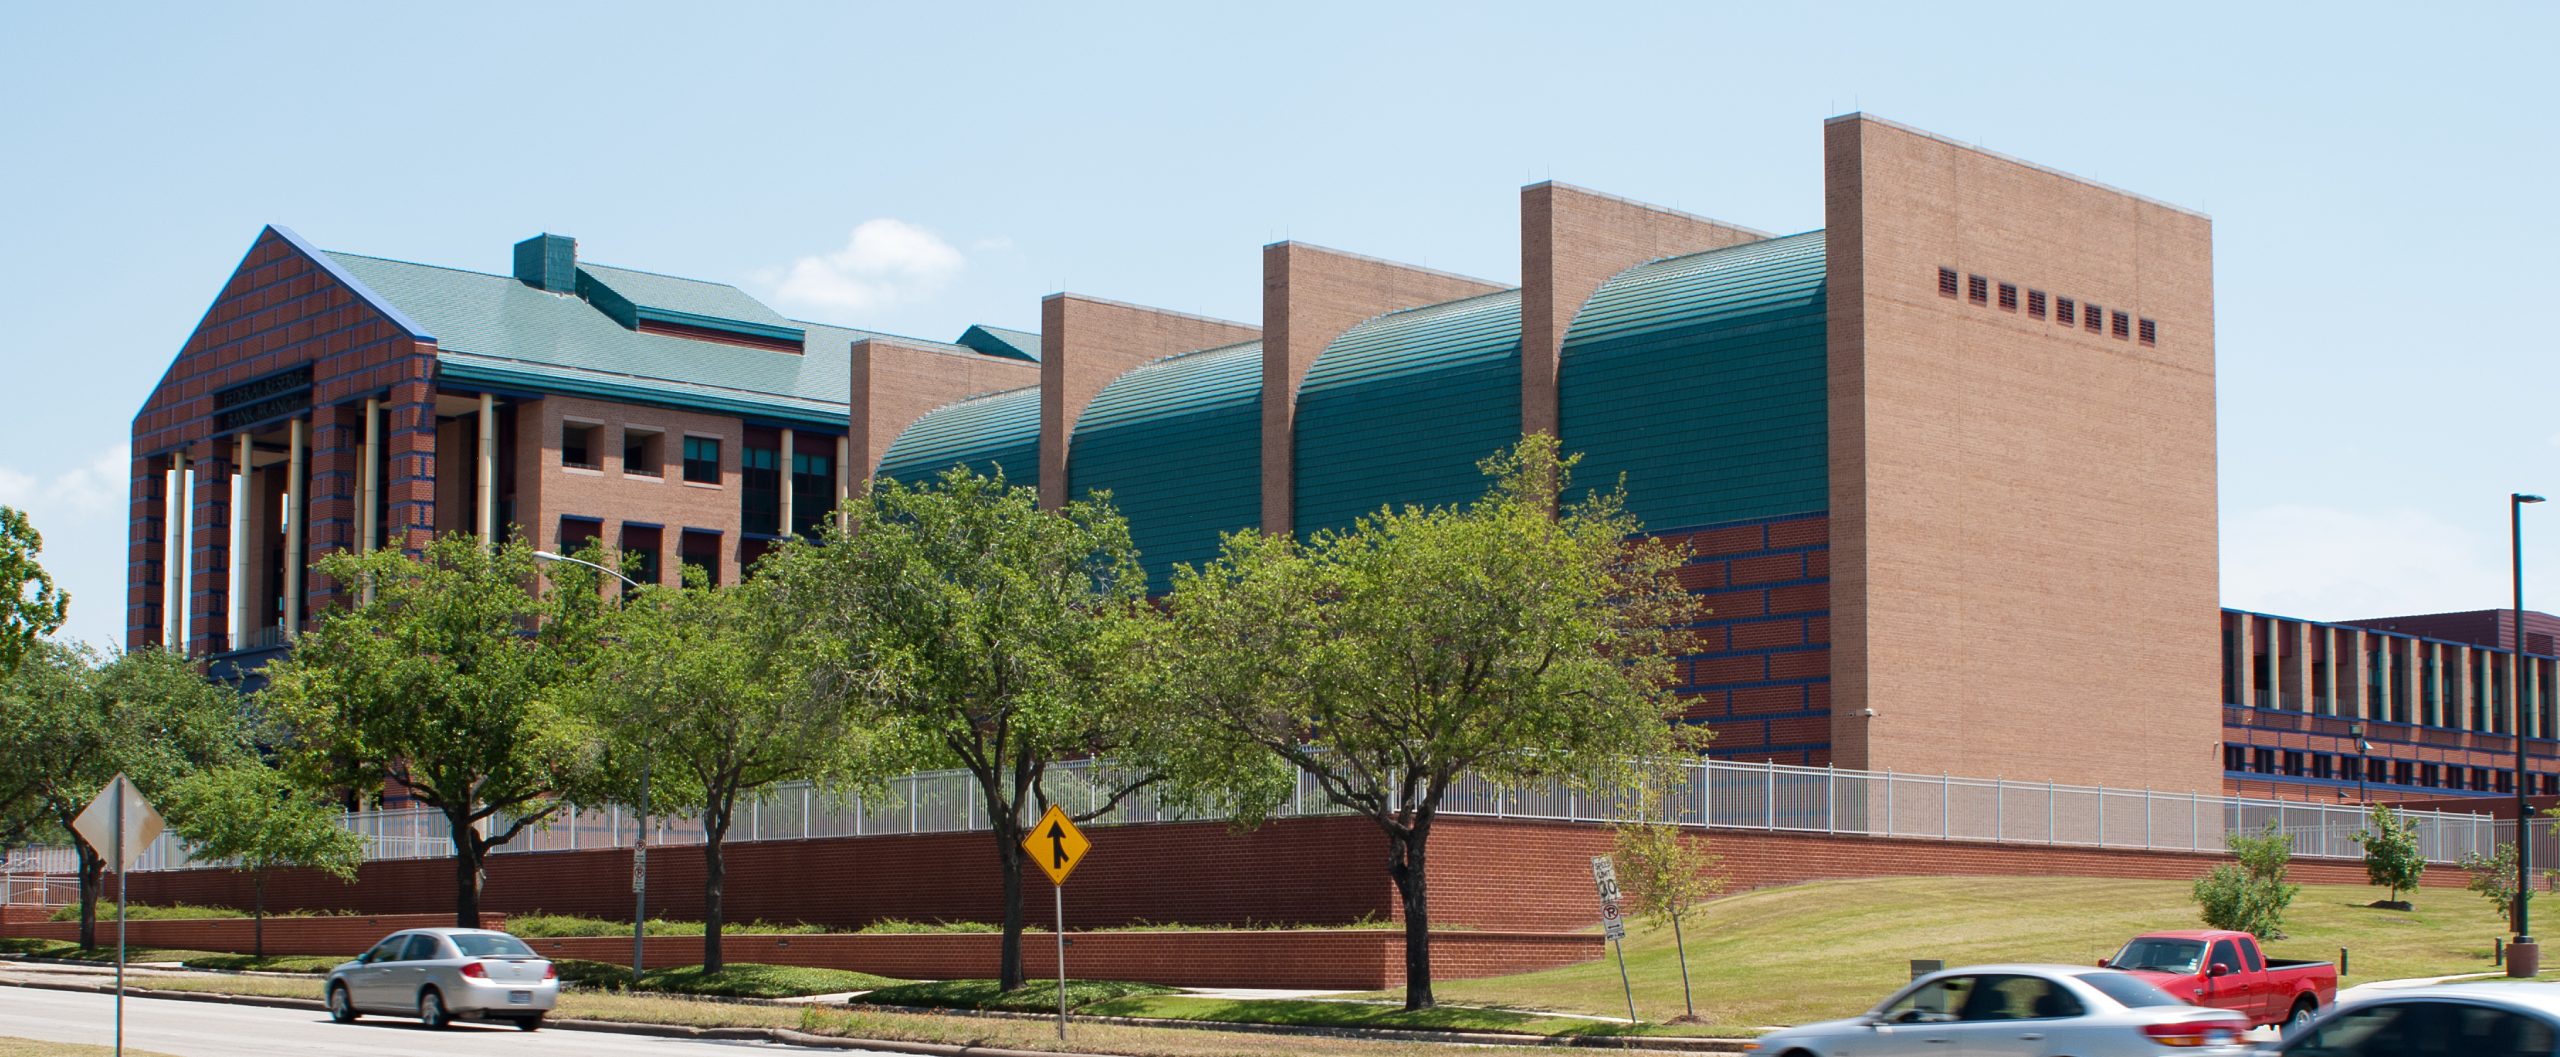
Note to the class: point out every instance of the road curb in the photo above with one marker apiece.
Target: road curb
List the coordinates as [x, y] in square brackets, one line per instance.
[790, 1037]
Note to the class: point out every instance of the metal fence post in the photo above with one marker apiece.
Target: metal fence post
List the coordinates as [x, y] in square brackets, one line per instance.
[2048, 811]
[2102, 816]
[1999, 809]
[1772, 789]
[912, 789]
[2146, 818]
[1946, 816]
[1830, 798]
[2195, 824]
[1888, 801]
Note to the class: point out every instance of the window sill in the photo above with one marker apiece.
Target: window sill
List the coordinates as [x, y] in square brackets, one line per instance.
[645, 478]
[702, 484]
[582, 471]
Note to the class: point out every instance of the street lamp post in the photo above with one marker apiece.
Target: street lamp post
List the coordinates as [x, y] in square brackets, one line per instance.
[2524, 958]
[640, 844]
[2364, 758]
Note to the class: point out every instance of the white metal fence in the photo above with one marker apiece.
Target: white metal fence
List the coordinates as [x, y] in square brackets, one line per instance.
[1720, 794]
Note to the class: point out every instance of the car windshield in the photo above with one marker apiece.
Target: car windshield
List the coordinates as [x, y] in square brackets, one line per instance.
[2163, 955]
[2129, 991]
[491, 945]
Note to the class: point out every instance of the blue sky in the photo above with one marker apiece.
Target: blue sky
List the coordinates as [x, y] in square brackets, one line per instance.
[2378, 178]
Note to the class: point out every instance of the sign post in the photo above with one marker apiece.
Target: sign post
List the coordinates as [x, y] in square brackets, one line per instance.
[120, 824]
[1056, 846]
[1604, 875]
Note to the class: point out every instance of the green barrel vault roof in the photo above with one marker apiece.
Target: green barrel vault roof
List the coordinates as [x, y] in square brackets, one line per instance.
[984, 433]
[1399, 410]
[1178, 443]
[493, 330]
[1703, 380]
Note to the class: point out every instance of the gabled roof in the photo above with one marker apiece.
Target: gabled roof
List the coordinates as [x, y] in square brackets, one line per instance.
[998, 341]
[494, 330]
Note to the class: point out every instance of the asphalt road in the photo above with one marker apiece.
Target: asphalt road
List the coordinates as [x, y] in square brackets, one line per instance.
[208, 1029]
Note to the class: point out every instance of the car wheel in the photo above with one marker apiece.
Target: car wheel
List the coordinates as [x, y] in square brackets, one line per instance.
[2303, 1013]
[341, 1008]
[431, 1011]
[531, 1023]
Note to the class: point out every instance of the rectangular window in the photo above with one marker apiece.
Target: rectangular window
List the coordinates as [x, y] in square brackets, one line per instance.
[2150, 332]
[760, 495]
[2035, 304]
[702, 460]
[813, 491]
[577, 532]
[578, 445]
[2400, 772]
[2122, 326]
[2293, 763]
[639, 558]
[641, 450]
[1946, 282]
[2062, 310]
[2009, 296]
[1977, 289]
[2090, 318]
[2235, 758]
[699, 549]
[2262, 761]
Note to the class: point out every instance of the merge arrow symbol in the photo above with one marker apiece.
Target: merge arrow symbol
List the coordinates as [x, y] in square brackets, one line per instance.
[1057, 845]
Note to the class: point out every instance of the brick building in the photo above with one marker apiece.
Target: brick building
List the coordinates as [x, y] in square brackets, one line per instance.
[1947, 462]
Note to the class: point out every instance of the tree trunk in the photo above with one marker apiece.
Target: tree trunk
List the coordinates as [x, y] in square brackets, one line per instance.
[1009, 967]
[715, 872]
[1405, 863]
[93, 871]
[258, 914]
[1681, 945]
[468, 870]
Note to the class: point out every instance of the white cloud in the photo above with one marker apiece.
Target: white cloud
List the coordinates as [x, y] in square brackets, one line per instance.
[2327, 563]
[885, 262]
[80, 511]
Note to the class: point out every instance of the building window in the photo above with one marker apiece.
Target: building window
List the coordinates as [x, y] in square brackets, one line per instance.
[2293, 763]
[640, 554]
[2235, 758]
[2091, 318]
[2150, 332]
[2262, 761]
[699, 549]
[2062, 311]
[578, 445]
[1977, 289]
[702, 460]
[2035, 304]
[641, 451]
[813, 487]
[2009, 296]
[2121, 325]
[1946, 282]
[760, 484]
[576, 532]
[2400, 772]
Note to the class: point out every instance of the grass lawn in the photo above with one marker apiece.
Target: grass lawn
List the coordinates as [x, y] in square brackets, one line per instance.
[1833, 948]
[26, 947]
[17, 1047]
[314, 964]
[737, 980]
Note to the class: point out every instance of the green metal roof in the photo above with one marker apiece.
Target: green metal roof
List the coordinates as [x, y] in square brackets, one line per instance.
[1178, 443]
[493, 330]
[984, 433]
[998, 341]
[1703, 379]
[692, 297]
[1399, 410]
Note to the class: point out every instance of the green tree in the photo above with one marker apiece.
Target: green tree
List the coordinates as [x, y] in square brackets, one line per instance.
[1510, 639]
[2391, 857]
[448, 681]
[986, 632]
[2252, 896]
[257, 819]
[725, 692]
[76, 720]
[31, 607]
[1666, 873]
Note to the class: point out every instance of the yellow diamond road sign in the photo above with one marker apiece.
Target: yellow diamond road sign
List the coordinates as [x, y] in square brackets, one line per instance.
[1056, 846]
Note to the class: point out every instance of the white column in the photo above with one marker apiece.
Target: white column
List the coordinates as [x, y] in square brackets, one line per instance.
[173, 586]
[240, 492]
[784, 529]
[844, 476]
[186, 554]
[293, 510]
[488, 521]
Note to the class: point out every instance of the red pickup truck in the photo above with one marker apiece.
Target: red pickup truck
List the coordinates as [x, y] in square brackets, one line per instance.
[2212, 967]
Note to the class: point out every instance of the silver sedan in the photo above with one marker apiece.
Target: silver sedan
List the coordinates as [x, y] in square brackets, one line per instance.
[2463, 1020]
[2019, 1011]
[443, 975]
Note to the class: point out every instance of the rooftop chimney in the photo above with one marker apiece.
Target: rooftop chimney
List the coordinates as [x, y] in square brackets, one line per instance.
[548, 262]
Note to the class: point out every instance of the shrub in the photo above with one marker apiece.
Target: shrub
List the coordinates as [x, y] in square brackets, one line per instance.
[2391, 858]
[2250, 897]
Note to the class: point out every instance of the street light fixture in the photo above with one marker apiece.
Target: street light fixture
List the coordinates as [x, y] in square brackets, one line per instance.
[2524, 959]
[2364, 758]
[640, 845]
